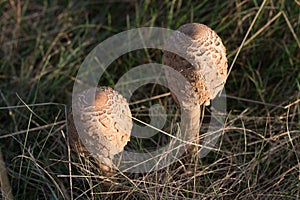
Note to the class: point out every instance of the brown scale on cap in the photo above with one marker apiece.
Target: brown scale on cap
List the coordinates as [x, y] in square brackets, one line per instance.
[106, 125]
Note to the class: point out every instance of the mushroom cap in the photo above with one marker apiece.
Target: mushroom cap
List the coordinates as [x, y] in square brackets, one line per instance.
[104, 126]
[201, 60]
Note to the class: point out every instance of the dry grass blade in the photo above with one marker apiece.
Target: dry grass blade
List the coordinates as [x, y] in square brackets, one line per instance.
[291, 104]
[291, 28]
[246, 36]
[4, 181]
[33, 129]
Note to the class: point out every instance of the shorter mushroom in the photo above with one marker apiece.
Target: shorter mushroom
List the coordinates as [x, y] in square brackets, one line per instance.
[103, 125]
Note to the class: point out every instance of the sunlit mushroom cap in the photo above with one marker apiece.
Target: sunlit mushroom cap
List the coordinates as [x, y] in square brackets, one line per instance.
[197, 52]
[104, 123]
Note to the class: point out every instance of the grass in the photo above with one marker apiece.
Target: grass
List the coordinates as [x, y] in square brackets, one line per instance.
[43, 44]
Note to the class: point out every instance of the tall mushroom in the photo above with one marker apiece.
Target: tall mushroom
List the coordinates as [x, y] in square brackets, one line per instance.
[202, 61]
[104, 125]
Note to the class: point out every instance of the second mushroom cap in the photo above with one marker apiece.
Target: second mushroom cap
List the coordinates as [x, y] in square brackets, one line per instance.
[103, 124]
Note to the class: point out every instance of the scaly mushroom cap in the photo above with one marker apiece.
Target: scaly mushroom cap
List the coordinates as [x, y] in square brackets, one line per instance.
[204, 64]
[106, 124]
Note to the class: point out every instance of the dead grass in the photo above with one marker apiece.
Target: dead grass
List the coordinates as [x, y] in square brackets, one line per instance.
[43, 45]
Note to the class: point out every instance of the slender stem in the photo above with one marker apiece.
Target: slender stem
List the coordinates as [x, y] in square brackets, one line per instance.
[190, 120]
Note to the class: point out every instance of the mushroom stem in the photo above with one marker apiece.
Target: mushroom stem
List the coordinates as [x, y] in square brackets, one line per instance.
[190, 121]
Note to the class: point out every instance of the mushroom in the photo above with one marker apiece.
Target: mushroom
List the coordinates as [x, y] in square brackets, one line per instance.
[201, 59]
[103, 125]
